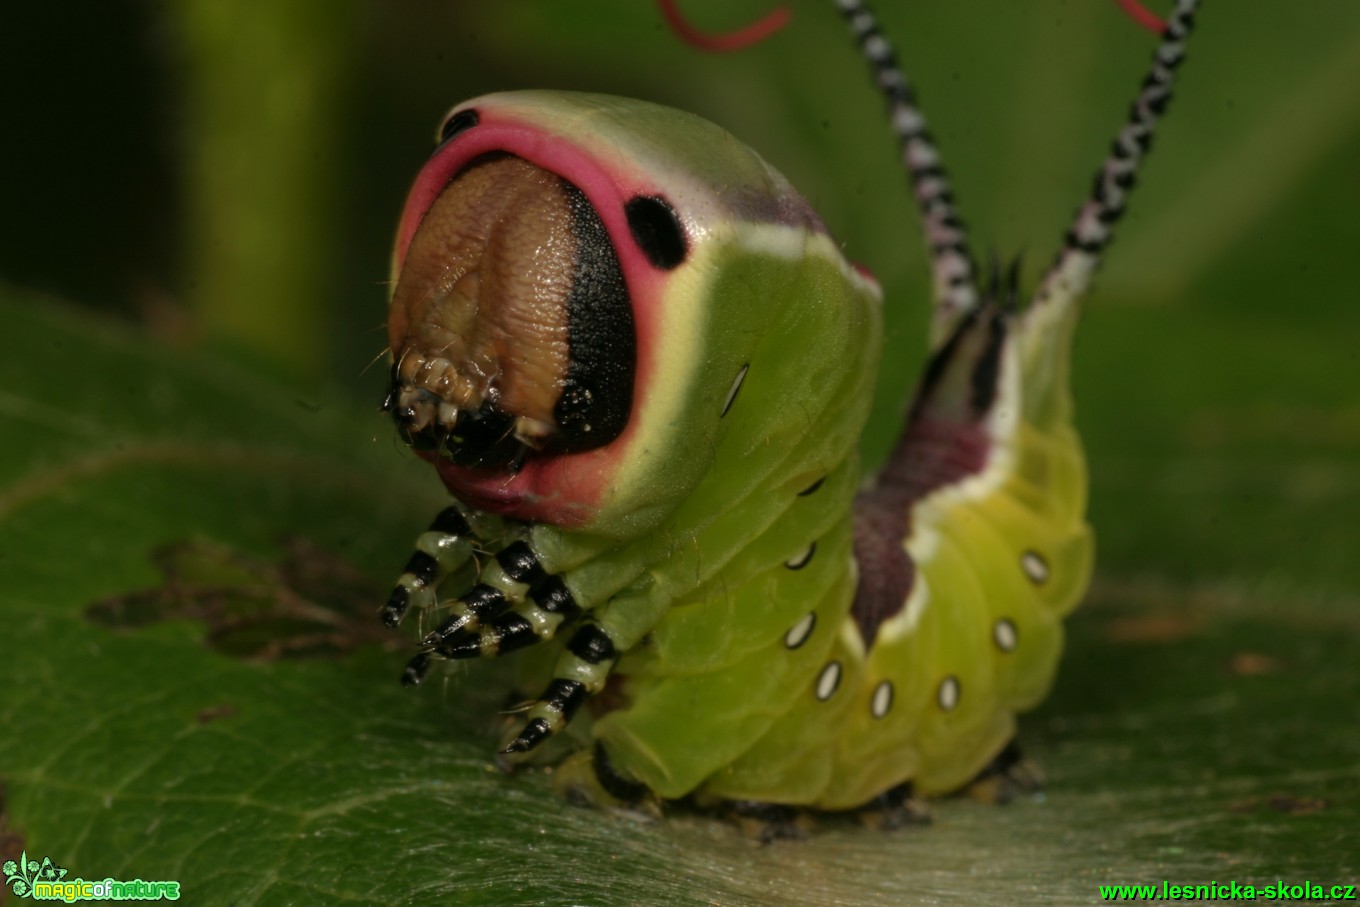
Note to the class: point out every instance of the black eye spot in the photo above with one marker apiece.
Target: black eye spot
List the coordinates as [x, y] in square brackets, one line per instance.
[457, 124]
[657, 231]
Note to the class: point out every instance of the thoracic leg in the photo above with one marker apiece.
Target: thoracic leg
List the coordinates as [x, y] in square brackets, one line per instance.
[515, 604]
[440, 550]
[581, 672]
[584, 666]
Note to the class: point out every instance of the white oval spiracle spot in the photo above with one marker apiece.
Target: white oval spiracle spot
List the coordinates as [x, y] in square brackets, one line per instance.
[828, 680]
[1035, 567]
[801, 561]
[949, 693]
[799, 632]
[883, 699]
[1005, 635]
[732, 391]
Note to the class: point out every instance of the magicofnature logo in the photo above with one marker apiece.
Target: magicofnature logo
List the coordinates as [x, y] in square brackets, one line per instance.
[46, 881]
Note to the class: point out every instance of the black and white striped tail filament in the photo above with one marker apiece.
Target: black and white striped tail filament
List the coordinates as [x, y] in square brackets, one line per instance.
[946, 235]
[1093, 228]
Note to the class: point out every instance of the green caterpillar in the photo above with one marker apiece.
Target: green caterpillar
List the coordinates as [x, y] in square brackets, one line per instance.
[641, 366]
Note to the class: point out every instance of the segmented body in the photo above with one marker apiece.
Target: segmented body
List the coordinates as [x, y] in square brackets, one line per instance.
[692, 535]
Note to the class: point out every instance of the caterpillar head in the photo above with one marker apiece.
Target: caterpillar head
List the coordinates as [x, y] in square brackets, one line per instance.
[557, 352]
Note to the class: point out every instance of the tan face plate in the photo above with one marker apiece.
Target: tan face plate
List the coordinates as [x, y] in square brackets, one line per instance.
[484, 291]
[482, 316]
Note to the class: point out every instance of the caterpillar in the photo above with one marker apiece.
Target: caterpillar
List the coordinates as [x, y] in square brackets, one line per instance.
[640, 364]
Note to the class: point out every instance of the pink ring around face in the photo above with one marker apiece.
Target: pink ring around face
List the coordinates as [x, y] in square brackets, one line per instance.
[563, 489]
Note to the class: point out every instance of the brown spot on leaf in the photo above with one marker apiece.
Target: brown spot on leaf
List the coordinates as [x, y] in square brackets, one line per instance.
[215, 712]
[1295, 806]
[1253, 664]
[1288, 804]
[309, 604]
[1152, 628]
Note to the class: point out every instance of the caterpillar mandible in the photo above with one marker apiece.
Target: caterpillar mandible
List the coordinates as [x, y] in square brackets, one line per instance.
[641, 366]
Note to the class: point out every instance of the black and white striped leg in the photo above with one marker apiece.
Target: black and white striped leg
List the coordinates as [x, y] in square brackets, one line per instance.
[440, 550]
[580, 673]
[1093, 227]
[516, 604]
[946, 235]
[502, 585]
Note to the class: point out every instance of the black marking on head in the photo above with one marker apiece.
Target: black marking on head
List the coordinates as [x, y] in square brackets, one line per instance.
[457, 124]
[800, 632]
[657, 231]
[415, 671]
[451, 522]
[812, 488]
[483, 438]
[615, 784]
[553, 596]
[423, 568]
[735, 389]
[520, 563]
[534, 733]
[420, 440]
[396, 606]
[591, 645]
[802, 560]
[597, 393]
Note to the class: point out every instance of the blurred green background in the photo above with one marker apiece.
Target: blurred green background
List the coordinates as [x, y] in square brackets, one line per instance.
[224, 180]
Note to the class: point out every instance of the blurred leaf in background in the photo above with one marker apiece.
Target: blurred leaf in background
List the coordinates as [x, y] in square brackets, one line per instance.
[225, 179]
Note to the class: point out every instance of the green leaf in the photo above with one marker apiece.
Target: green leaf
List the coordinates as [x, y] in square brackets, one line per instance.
[1201, 729]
